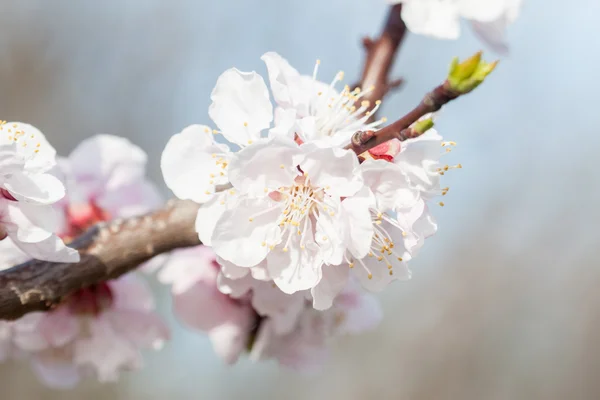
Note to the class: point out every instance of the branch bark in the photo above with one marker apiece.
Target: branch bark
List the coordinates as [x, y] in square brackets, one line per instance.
[107, 250]
[380, 56]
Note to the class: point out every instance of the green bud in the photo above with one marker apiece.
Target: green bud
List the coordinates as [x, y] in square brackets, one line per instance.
[422, 126]
[467, 75]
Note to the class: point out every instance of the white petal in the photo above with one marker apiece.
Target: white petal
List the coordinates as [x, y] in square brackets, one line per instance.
[435, 18]
[234, 288]
[50, 249]
[331, 229]
[232, 271]
[389, 184]
[30, 223]
[284, 81]
[35, 188]
[210, 212]
[335, 278]
[336, 170]
[240, 106]
[358, 223]
[492, 34]
[191, 164]
[296, 269]
[285, 123]
[418, 160]
[243, 234]
[264, 166]
[31, 146]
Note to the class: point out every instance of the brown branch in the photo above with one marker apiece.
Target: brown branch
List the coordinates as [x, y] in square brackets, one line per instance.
[380, 56]
[107, 251]
[433, 101]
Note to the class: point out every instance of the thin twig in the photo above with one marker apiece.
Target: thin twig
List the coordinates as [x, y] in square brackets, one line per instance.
[433, 101]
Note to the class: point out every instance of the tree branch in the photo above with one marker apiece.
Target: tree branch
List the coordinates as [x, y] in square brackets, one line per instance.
[433, 101]
[380, 56]
[107, 250]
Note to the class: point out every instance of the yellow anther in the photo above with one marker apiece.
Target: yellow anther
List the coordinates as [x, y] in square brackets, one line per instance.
[351, 265]
[370, 276]
[378, 102]
[399, 258]
[285, 249]
[263, 244]
[441, 203]
[245, 124]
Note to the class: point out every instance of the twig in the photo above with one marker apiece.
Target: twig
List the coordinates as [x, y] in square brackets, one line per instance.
[433, 101]
[380, 56]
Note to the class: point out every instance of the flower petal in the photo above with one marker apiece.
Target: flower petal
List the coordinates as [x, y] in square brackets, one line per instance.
[389, 184]
[264, 166]
[336, 170]
[243, 235]
[335, 278]
[193, 164]
[240, 106]
[35, 188]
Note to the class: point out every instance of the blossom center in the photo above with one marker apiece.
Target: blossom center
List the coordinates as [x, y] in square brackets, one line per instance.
[337, 113]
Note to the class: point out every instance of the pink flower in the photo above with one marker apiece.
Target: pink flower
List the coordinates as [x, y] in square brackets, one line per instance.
[99, 331]
[305, 348]
[241, 308]
[105, 179]
[199, 304]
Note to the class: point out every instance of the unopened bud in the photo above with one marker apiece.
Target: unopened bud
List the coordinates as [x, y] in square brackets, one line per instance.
[465, 76]
[422, 126]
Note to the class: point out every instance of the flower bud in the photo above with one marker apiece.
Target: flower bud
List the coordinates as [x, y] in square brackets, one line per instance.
[465, 76]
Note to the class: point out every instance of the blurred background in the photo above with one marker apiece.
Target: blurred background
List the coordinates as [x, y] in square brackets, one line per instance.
[504, 303]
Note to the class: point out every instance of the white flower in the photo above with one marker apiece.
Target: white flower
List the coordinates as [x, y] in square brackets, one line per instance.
[27, 192]
[315, 110]
[287, 216]
[441, 18]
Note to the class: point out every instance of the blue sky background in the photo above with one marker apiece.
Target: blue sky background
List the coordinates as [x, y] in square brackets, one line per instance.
[503, 303]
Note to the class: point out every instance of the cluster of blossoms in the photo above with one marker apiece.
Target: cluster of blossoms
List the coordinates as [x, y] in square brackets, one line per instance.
[298, 224]
[28, 191]
[98, 330]
[441, 18]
